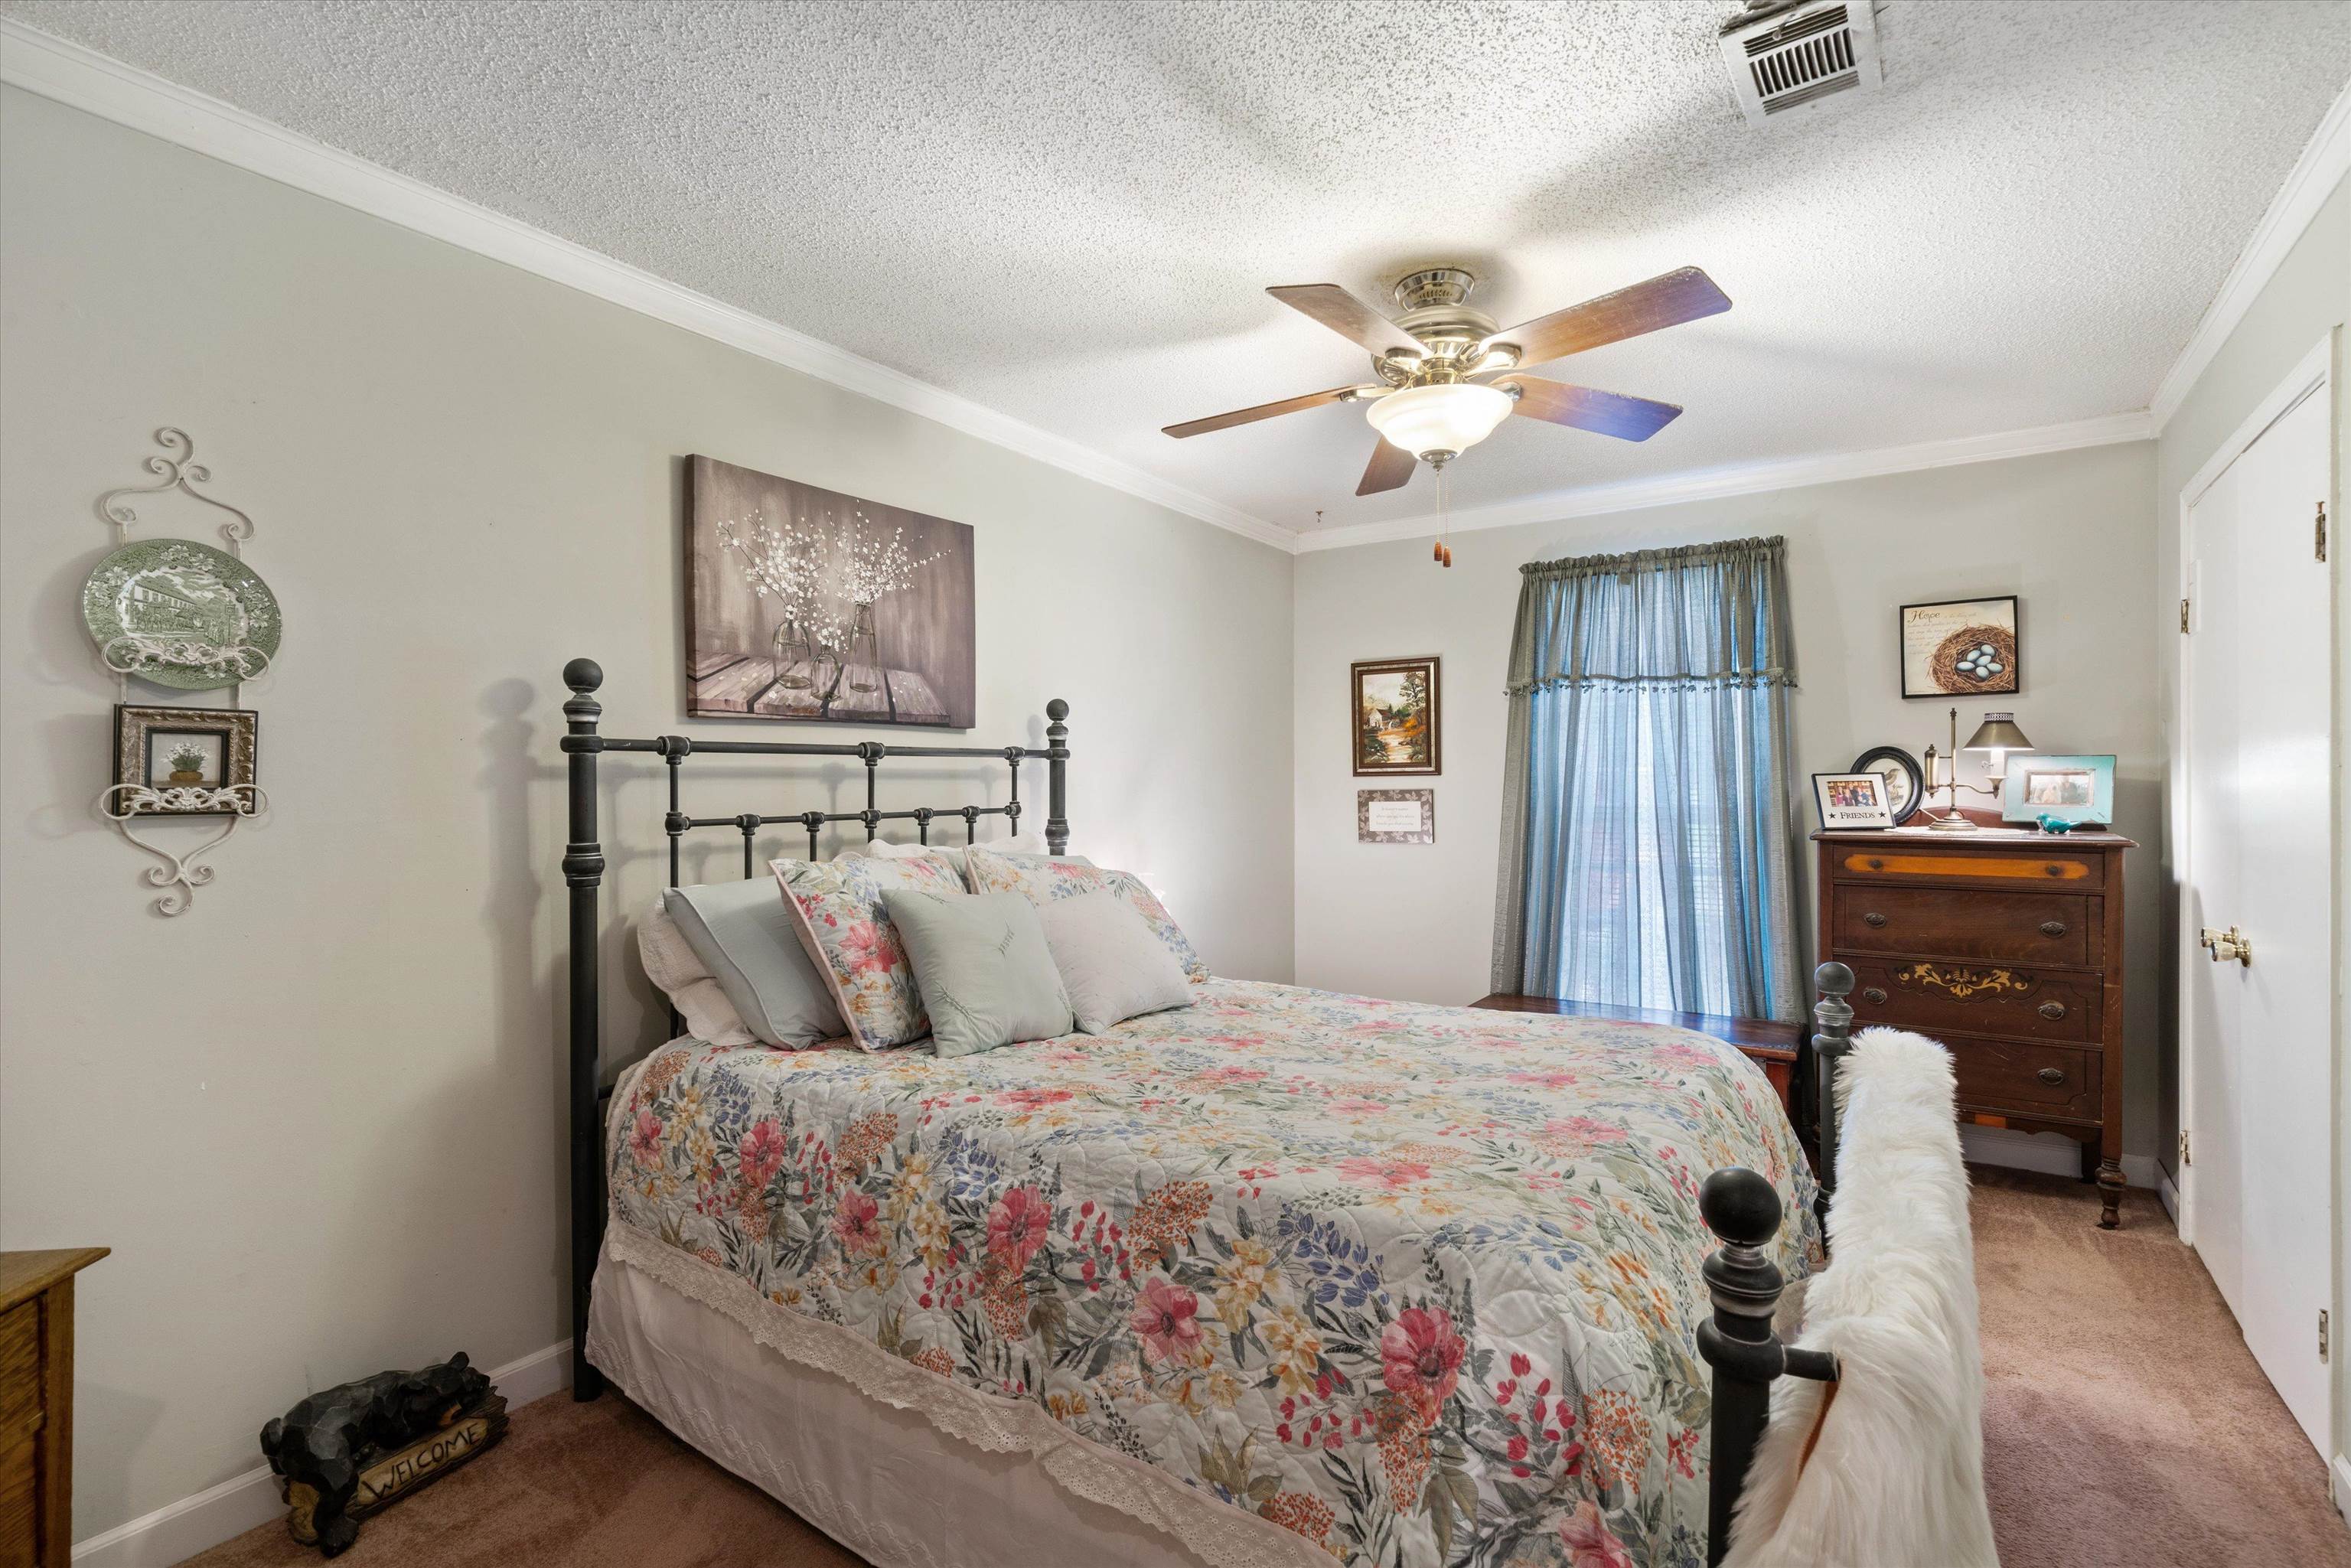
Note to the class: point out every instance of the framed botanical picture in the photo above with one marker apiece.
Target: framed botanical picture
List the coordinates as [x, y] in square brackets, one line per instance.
[1395, 816]
[1960, 647]
[1852, 800]
[1396, 724]
[1906, 786]
[183, 756]
[2072, 789]
[805, 603]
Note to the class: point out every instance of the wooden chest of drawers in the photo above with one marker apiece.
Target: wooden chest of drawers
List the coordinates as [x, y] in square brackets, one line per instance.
[36, 1404]
[2007, 947]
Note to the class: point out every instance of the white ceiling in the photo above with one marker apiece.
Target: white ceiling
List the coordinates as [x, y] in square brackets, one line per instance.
[1068, 213]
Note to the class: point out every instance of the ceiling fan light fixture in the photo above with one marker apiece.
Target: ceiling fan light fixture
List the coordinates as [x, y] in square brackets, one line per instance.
[1450, 418]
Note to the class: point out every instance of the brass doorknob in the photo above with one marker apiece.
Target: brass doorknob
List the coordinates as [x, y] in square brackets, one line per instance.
[2224, 946]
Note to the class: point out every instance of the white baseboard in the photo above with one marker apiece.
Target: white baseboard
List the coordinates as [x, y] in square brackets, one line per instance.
[2047, 1152]
[2340, 1473]
[178, 1530]
[2169, 1194]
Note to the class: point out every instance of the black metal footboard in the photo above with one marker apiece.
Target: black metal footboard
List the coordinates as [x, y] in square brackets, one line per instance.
[1741, 1209]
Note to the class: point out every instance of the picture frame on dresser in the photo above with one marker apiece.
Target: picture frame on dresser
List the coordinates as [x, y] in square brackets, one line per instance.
[2007, 948]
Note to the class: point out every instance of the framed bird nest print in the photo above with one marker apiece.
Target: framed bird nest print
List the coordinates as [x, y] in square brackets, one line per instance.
[1960, 647]
[1396, 726]
[804, 603]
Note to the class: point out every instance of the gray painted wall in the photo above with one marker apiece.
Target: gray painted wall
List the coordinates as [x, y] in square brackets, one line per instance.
[318, 1118]
[2067, 532]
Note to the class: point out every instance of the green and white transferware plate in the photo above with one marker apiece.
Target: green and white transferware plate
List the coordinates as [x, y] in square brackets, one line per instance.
[181, 614]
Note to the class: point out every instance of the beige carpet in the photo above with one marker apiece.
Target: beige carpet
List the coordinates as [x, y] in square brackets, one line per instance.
[2127, 1428]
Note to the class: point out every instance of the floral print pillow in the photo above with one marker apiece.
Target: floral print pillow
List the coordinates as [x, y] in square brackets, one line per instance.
[1044, 878]
[838, 910]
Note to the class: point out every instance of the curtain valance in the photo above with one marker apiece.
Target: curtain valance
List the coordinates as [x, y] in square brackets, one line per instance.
[1705, 614]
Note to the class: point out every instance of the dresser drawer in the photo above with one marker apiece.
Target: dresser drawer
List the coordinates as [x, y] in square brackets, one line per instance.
[20, 1373]
[1930, 996]
[1947, 922]
[2007, 865]
[2013, 1077]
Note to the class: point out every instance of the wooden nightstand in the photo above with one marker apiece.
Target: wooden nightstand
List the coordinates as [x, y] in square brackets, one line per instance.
[1770, 1045]
[36, 1404]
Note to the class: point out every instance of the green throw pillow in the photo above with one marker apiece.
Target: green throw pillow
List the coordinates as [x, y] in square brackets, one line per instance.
[981, 963]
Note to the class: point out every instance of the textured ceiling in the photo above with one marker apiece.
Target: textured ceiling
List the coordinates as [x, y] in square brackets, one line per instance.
[1068, 212]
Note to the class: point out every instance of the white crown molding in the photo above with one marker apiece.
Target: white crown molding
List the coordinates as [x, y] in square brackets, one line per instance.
[2322, 163]
[178, 1530]
[1747, 479]
[85, 80]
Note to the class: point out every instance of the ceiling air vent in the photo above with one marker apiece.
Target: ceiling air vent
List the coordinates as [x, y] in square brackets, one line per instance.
[1786, 54]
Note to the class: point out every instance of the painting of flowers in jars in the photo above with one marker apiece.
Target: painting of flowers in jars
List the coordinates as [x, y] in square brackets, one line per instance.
[808, 604]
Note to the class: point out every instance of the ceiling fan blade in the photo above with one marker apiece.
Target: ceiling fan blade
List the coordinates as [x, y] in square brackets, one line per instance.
[1390, 466]
[1610, 414]
[1665, 301]
[1347, 316]
[1251, 415]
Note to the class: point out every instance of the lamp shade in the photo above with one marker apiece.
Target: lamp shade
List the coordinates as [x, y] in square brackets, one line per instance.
[1998, 732]
[1449, 418]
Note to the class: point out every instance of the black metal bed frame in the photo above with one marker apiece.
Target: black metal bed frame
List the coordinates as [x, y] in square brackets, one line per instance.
[1737, 1204]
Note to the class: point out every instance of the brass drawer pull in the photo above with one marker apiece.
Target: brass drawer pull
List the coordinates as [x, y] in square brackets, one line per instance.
[2053, 1010]
[1872, 996]
[2052, 928]
[2053, 1075]
[1873, 918]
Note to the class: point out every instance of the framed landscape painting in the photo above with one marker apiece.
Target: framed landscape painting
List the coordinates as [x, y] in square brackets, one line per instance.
[804, 603]
[1396, 726]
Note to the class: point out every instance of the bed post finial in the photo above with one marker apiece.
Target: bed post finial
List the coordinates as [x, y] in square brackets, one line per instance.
[1057, 767]
[1831, 1043]
[583, 872]
[1740, 1207]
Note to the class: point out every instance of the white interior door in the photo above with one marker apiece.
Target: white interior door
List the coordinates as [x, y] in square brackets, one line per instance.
[2259, 859]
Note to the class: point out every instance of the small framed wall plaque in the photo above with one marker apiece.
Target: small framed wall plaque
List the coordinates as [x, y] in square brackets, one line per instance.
[182, 761]
[1395, 816]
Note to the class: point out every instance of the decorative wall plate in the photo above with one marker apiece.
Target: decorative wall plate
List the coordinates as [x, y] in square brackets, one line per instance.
[181, 614]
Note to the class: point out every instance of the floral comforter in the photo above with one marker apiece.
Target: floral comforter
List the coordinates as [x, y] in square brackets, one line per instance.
[1419, 1283]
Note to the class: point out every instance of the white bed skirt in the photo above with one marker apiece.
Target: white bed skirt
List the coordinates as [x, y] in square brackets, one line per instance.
[902, 1466]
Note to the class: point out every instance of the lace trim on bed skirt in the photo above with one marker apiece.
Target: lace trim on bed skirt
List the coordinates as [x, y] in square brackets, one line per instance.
[1218, 1531]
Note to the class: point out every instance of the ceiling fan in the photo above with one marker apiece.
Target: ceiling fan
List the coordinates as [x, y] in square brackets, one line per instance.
[1447, 376]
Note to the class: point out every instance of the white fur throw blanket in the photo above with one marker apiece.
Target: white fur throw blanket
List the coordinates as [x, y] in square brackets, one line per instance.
[1894, 1473]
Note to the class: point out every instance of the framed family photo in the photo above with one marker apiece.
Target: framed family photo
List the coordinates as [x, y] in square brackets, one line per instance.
[1396, 726]
[1960, 647]
[1852, 800]
[2072, 789]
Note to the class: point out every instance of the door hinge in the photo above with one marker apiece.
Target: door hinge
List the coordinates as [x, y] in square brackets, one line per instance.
[2321, 540]
[2183, 1148]
[2183, 618]
[2322, 1333]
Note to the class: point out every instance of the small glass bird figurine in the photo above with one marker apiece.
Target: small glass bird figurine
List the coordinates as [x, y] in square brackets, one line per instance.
[2052, 824]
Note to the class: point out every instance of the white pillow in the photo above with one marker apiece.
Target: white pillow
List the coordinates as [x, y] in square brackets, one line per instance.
[1113, 965]
[1018, 844]
[670, 964]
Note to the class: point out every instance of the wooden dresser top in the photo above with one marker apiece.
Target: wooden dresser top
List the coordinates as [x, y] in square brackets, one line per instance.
[2003, 838]
[24, 1275]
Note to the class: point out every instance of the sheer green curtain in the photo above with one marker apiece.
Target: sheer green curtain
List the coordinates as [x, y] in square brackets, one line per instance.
[1646, 824]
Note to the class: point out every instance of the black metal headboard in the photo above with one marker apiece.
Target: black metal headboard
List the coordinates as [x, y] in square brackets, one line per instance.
[583, 871]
